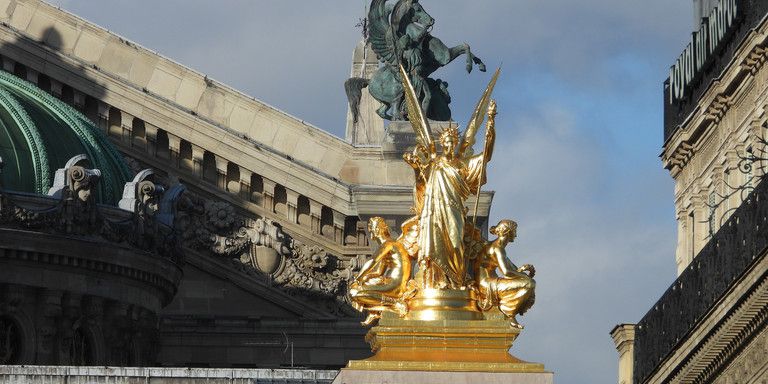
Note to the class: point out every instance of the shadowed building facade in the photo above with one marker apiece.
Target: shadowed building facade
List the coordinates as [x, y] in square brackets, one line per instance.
[709, 326]
[267, 213]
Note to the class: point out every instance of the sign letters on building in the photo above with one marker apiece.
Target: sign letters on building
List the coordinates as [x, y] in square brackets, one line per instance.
[704, 43]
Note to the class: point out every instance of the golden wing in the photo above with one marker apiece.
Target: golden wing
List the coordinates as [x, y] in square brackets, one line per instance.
[415, 113]
[468, 139]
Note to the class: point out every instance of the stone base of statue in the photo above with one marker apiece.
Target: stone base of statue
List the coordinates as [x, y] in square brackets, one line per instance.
[443, 340]
[441, 352]
[444, 345]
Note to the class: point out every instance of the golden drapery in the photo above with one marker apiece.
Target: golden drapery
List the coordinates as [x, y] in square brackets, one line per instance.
[450, 181]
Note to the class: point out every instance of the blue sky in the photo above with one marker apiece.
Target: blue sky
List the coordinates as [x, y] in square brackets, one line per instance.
[579, 130]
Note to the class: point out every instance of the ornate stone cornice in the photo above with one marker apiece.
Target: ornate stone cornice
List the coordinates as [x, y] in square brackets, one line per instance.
[724, 342]
[717, 101]
[751, 364]
[623, 337]
[718, 107]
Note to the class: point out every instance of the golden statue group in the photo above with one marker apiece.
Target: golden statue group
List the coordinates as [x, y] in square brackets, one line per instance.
[440, 267]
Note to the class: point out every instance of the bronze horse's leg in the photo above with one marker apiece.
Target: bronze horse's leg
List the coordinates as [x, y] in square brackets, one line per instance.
[471, 58]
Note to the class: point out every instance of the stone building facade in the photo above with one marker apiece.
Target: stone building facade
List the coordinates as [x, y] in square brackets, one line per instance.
[268, 213]
[709, 326]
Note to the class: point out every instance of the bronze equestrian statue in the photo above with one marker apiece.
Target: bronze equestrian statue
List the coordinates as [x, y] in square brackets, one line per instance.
[400, 34]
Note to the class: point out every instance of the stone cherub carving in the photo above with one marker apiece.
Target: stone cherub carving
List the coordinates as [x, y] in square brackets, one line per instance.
[513, 291]
[383, 279]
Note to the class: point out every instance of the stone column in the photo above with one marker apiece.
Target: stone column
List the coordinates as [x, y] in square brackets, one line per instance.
[46, 323]
[78, 99]
[103, 116]
[698, 223]
[338, 227]
[174, 146]
[269, 194]
[151, 136]
[315, 213]
[93, 309]
[71, 308]
[32, 76]
[716, 188]
[8, 65]
[293, 202]
[362, 237]
[197, 160]
[14, 299]
[682, 252]
[732, 177]
[221, 171]
[56, 87]
[624, 339]
[127, 125]
[117, 333]
[245, 183]
[145, 336]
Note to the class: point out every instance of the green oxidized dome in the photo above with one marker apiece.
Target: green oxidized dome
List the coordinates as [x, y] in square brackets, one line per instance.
[39, 133]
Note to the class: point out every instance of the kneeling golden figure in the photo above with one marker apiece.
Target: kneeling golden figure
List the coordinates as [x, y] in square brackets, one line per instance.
[513, 292]
[382, 280]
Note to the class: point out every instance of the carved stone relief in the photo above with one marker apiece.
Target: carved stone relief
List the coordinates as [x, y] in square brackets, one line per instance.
[260, 247]
[749, 366]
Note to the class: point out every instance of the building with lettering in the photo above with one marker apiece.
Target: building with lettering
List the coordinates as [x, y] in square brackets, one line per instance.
[710, 324]
[152, 216]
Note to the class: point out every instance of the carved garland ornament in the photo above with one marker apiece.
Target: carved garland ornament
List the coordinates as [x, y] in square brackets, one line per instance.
[260, 246]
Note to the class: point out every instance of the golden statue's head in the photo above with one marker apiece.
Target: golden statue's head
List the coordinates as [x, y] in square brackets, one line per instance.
[505, 228]
[449, 137]
[377, 227]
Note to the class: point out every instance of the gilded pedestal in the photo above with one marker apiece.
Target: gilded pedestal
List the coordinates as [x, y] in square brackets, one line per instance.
[444, 345]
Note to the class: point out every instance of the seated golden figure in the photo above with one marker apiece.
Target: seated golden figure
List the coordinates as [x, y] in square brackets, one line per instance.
[513, 292]
[382, 280]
